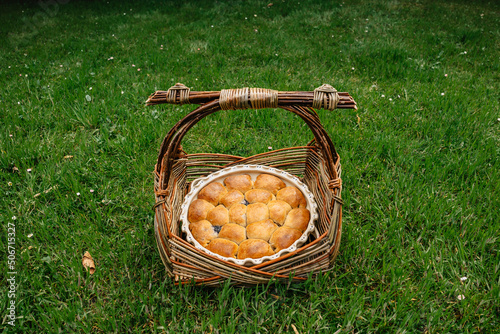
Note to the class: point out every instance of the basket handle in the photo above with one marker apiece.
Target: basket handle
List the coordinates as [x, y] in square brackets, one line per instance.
[299, 103]
[180, 94]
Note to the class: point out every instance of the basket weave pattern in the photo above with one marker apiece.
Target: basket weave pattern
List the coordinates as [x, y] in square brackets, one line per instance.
[317, 164]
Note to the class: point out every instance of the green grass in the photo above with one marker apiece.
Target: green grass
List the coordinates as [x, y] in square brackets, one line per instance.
[420, 169]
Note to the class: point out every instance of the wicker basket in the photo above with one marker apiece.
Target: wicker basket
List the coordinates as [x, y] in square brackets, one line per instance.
[317, 164]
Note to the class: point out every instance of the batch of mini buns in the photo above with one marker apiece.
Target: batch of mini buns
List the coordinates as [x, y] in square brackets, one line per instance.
[244, 218]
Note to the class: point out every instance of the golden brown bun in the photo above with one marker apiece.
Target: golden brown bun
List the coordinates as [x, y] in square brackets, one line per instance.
[292, 196]
[198, 210]
[213, 193]
[223, 247]
[232, 197]
[269, 182]
[241, 183]
[257, 212]
[283, 238]
[254, 249]
[261, 230]
[218, 216]
[298, 219]
[203, 232]
[238, 214]
[278, 210]
[233, 232]
[258, 196]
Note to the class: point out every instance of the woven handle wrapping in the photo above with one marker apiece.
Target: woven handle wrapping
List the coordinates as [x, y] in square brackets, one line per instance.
[299, 103]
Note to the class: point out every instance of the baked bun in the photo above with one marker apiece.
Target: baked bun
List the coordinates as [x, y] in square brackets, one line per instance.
[203, 232]
[283, 238]
[261, 230]
[232, 197]
[233, 232]
[218, 216]
[269, 182]
[223, 247]
[292, 196]
[258, 196]
[213, 193]
[278, 211]
[298, 219]
[238, 214]
[254, 249]
[257, 212]
[198, 210]
[241, 183]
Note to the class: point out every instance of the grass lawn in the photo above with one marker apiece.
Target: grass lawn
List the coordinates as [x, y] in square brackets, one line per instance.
[420, 250]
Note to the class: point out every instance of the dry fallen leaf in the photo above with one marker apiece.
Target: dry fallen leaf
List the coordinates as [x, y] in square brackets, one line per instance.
[88, 263]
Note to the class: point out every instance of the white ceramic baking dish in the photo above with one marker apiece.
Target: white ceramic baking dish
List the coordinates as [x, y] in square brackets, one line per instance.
[253, 171]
